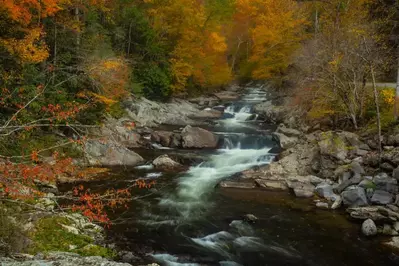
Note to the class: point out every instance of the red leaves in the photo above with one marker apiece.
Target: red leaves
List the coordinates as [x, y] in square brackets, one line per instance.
[62, 113]
[94, 205]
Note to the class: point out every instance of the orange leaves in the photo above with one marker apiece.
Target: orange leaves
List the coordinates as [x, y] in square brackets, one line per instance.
[94, 205]
[140, 183]
[23, 11]
[30, 49]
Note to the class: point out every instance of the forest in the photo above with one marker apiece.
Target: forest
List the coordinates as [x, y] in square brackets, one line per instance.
[68, 65]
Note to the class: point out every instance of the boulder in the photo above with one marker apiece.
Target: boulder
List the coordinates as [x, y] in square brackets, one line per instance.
[272, 184]
[301, 190]
[355, 197]
[388, 230]
[349, 182]
[195, 137]
[289, 132]
[383, 182]
[337, 203]
[356, 168]
[285, 141]
[164, 162]
[162, 137]
[271, 113]
[365, 183]
[395, 173]
[381, 197]
[325, 190]
[333, 145]
[364, 213]
[322, 205]
[250, 218]
[110, 154]
[394, 242]
[369, 228]
[237, 184]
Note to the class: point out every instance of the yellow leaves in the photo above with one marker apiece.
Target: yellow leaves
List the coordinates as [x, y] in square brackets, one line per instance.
[388, 96]
[273, 28]
[200, 47]
[218, 42]
[110, 76]
[30, 49]
[103, 99]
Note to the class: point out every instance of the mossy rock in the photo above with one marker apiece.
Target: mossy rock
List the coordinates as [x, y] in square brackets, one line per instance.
[50, 235]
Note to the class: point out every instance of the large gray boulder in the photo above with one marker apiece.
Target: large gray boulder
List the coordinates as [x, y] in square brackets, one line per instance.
[162, 137]
[164, 162]
[285, 141]
[355, 197]
[369, 228]
[325, 190]
[383, 182]
[196, 137]
[271, 112]
[110, 154]
[333, 145]
[381, 197]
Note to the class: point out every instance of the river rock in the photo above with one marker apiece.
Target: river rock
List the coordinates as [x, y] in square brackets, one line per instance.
[164, 162]
[237, 184]
[333, 145]
[354, 197]
[383, 182]
[388, 230]
[322, 205]
[381, 197]
[301, 190]
[110, 154]
[357, 169]
[326, 191]
[271, 112]
[250, 218]
[349, 182]
[337, 203]
[61, 258]
[394, 242]
[162, 137]
[272, 184]
[195, 137]
[289, 132]
[369, 228]
[150, 113]
[395, 173]
[285, 141]
[364, 213]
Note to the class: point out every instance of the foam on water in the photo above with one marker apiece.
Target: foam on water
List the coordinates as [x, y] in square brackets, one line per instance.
[145, 167]
[170, 260]
[191, 196]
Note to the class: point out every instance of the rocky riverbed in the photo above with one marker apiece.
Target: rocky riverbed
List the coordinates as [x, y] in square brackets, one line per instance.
[264, 147]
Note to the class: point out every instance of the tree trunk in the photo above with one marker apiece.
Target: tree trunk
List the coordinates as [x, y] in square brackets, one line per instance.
[78, 33]
[396, 107]
[235, 55]
[55, 51]
[130, 38]
[377, 107]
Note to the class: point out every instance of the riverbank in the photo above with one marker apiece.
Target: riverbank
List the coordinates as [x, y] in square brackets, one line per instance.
[338, 170]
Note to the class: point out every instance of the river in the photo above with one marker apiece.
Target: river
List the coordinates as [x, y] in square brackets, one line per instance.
[187, 220]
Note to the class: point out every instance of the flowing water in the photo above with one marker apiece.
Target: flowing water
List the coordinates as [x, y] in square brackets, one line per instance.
[187, 220]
